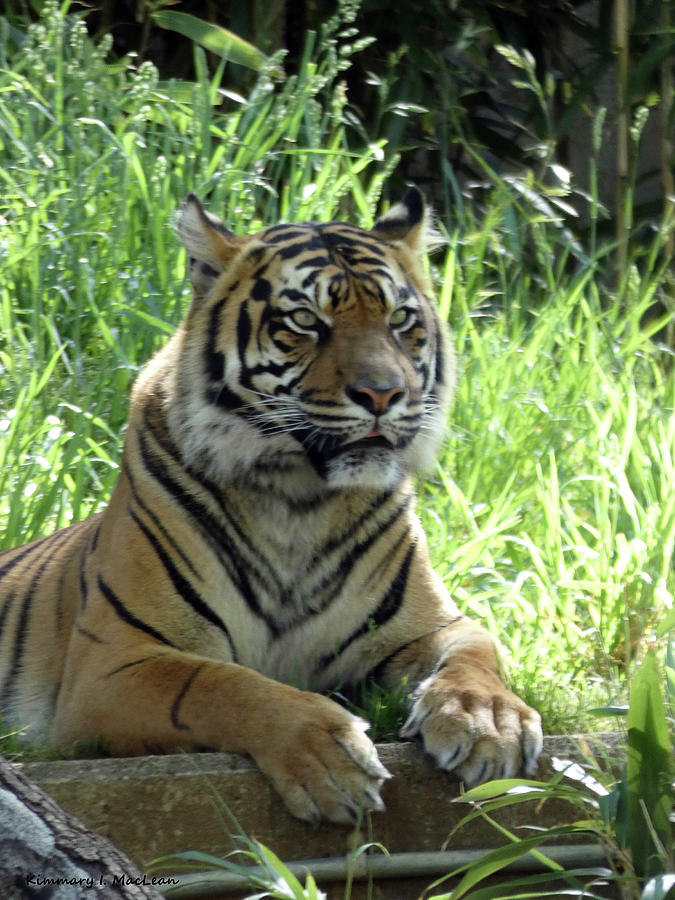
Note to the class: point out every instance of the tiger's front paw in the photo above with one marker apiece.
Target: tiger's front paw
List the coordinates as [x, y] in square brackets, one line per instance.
[323, 764]
[474, 726]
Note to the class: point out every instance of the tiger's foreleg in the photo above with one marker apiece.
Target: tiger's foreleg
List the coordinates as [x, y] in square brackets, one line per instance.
[316, 753]
[469, 721]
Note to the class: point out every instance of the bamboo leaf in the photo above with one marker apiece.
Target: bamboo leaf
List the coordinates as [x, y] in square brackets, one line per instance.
[660, 888]
[496, 788]
[281, 871]
[497, 859]
[508, 891]
[609, 710]
[213, 37]
[645, 806]
[668, 623]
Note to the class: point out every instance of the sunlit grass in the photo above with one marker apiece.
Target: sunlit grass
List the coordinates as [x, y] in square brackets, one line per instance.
[552, 514]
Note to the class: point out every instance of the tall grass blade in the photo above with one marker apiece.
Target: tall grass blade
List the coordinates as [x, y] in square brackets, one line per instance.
[213, 37]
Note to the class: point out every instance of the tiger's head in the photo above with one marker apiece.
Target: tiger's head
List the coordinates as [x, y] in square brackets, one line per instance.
[312, 349]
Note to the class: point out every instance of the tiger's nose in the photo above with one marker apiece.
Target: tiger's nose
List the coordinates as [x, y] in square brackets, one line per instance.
[376, 397]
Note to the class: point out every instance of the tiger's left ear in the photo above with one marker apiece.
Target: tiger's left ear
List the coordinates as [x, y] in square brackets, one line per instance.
[407, 221]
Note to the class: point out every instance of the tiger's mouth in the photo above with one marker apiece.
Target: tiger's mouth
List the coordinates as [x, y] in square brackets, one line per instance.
[323, 451]
[373, 441]
[329, 446]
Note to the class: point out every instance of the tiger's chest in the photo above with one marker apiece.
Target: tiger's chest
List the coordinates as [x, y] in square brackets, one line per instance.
[265, 573]
[293, 559]
[292, 578]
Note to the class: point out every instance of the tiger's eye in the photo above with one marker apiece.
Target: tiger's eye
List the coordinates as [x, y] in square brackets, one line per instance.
[400, 316]
[304, 318]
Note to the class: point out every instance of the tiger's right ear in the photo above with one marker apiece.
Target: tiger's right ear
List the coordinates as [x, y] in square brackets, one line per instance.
[210, 245]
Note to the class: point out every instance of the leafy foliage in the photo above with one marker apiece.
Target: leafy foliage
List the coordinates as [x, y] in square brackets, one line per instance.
[630, 818]
[645, 799]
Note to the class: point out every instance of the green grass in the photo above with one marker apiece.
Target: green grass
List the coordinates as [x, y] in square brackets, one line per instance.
[551, 515]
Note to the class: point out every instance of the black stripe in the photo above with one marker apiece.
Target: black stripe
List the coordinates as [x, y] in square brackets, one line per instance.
[5, 611]
[88, 634]
[26, 551]
[339, 417]
[243, 332]
[220, 395]
[185, 589]
[129, 665]
[377, 504]
[338, 290]
[61, 595]
[214, 360]
[210, 527]
[313, 262]
[175, 708]
[261, 291]
[8, 687]
[335, 578]
[45, 547]
[307, 396]
[313, 242]
[388, 606]
[378, 673]
[155, 521]
[346, 562]
[197, 267]
[128, 617]
[376, 573]
[252, 258]
[439, 359]
[275, 329]
[294, 295]
[273, 368]
[276, 234]
[214, 531]
[84, 588]
[346, 238]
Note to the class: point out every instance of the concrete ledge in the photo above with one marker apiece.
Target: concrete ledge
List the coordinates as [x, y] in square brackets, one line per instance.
[158, 805]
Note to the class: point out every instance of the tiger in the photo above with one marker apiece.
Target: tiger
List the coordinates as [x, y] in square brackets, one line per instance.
[261, 547]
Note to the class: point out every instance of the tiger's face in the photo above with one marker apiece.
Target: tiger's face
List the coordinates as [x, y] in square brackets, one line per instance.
[311, 346]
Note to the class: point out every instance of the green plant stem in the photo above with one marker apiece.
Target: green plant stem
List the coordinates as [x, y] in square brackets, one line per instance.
[622, 43]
